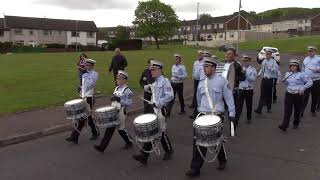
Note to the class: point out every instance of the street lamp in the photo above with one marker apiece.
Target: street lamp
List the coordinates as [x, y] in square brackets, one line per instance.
[76, 36]
[197, 21]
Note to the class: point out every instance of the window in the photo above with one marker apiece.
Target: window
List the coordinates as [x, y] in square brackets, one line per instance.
[18, 32]
[90, 35]
[74, 34]
[209, 26]
[308, 20]
[31, 32]
[47, 32]
[220, 26]
[1, 32]
[307, 28]
[209, 36]
[300, 29]
[300, 21]
[221, 36]
[59, 33]
[90, 44]
[231, 35]
[19, 43]
[203, 27]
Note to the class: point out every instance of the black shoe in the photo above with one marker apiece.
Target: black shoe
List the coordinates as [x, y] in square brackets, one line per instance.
[192, 173]
[167, 156]
[295, 127]
[98, 148]
[301, 115]
[71, 139]
[94, 137]
[314, 114]
[141, 158]
[182, 112]
[282, 128]
[192, 117]
[127, 146]
[222, 165]
[257, 111]
[249, 121]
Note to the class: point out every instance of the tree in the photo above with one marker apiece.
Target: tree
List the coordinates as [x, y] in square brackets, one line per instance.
[122, 32]
[155, 19]
[205, 18]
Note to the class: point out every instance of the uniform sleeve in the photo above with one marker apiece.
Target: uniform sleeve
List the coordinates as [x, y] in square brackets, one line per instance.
[127, 100]
[228, 97]
[303, 67]
[285, 82]
[307, 80]
[262, 66]
[252, 75]
[183, 74]
[168, 94]
[198, 93]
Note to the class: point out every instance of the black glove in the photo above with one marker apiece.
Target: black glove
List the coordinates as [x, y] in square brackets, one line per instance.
[115, 98]
[232, 119]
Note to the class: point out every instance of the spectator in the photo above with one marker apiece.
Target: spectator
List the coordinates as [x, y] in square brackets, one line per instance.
[119, 62]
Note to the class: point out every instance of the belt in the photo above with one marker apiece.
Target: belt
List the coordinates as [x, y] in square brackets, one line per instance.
[208, 113]
[176, 82]
[267, 78]
[246, 88]
[293, 92]
[315, 79]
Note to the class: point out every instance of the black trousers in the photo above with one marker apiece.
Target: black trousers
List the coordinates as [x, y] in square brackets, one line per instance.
[197, 161]
[315, 92]
[274, 94]
[108, 135]
[318, 104]
[147, 108]
[75, 133]
[292, 101]
[266, 94]
[165, 142]
[177, 89]
[244, 95]
[195, 87]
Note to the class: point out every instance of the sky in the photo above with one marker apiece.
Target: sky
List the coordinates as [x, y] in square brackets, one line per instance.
[108, 13]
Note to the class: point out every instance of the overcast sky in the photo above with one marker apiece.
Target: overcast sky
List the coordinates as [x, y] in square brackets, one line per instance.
[107, 13]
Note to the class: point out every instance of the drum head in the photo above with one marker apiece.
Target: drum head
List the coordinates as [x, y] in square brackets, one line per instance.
[72, 102]
[145, 118]
[207, 120]
[105, 109]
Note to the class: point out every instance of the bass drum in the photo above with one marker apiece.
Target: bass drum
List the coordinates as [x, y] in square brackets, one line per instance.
[227, 71]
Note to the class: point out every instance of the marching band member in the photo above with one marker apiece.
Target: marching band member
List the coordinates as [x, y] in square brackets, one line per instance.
[269, 68]
[122, 95]
[246, 89]
[296, 82]
[179, 74]
[198, 75]
[219, 90]
[311, 66]
[145, 82]
[162, 94]
[89, 79]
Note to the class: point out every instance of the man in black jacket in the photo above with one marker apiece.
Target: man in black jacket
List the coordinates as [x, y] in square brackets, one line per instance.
[119, 62]
[145, 82]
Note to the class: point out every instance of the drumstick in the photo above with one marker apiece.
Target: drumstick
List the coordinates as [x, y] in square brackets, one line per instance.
[232, 129]
[146, 100]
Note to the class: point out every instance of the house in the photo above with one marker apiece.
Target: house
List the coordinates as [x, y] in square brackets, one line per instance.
[216, 28]
[35, 31]
[107, 33]
[4, 31]
[296, 23]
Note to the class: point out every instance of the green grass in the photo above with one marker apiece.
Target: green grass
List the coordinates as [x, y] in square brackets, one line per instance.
[294, 45]
[49, 79]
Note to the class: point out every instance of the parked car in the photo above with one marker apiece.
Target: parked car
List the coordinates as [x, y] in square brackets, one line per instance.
[262, 54]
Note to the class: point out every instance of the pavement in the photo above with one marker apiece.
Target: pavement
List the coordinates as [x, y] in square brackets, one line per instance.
[260, 151]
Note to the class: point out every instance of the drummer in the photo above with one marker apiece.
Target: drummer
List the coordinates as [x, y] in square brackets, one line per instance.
[216, 88]
[122, 95]
[89, 79]
[162, 94]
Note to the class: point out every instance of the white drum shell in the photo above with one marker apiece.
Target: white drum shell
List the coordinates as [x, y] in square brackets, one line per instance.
[106, 117]
[76, 109]
[147, 128]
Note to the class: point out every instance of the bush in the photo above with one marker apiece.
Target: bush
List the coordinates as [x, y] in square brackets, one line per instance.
[125, 44]
[5, 47]
[55, 46]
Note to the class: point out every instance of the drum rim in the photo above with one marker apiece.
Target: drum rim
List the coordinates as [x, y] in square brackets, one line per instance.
[73, 102]
[201, 118]
[100, 110]
[136, 120]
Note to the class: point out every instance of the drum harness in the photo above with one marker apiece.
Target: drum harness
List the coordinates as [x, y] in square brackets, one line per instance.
[213, 150]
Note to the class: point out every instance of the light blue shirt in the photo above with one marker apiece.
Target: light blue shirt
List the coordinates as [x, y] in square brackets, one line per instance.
[310, 65]
[125, 95]
[178, 72]
[269, 69]
[219, 90]
[162, 92]
[297, 82]
[197, 71]
[89, 80]
[251, 75]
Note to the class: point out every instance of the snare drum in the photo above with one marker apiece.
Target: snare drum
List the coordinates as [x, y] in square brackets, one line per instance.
[106, 117]
[208, 130]
[146, 127]
[76, 109]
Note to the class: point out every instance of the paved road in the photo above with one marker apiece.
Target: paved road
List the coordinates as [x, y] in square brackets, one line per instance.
[260, 151]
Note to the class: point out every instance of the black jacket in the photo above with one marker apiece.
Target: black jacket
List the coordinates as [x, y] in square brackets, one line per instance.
[119, 62]
[146, 78]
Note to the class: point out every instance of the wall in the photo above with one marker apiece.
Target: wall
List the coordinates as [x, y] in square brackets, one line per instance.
[53, 38]
[82, 39]
[26, 37]
[5, 37]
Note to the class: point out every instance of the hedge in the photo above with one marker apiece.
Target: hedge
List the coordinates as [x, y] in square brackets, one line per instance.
[125, 44]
